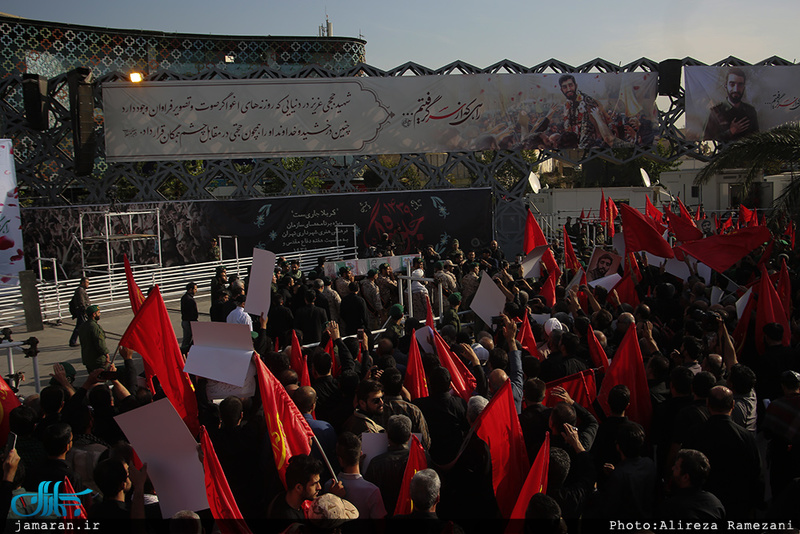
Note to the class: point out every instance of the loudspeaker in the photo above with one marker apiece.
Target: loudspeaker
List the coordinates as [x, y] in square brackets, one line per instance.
[81, 103]
[669, 77]
[34, 95]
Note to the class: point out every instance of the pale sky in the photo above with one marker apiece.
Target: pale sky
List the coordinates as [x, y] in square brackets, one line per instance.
[437, 32]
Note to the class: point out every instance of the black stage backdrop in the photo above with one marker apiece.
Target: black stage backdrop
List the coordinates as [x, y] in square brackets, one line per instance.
[413, 219]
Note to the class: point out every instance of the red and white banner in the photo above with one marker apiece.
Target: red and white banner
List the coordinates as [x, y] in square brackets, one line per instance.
[727, 103]
[196, 119]
[12, 259]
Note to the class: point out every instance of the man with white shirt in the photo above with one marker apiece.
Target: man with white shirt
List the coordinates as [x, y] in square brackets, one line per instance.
[238, 315]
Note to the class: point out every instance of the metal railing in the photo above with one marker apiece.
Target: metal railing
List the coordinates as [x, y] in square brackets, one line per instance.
[109, 291]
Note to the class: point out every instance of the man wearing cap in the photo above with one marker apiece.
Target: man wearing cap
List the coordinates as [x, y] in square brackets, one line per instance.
[372, 295]
[94, 353]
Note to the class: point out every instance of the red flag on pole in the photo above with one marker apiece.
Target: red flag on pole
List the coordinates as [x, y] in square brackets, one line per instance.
[581, 386]
[785, 289]
[747, 217]
[582, 215]
[498, 425]
[73, 508]
[642, 233]
[697, 214]
[571, 262]
[612, 216]
[626, 289]
[596, 351]
[534, 237]
[720, 252]
[416, 462]
[134, 293]
[150, 334]
[603, 208]
[683, 228]
[536, 482]
[769, 310]
[548, 291]
[287, 429]
[429, 320]
[652, 212]
[220, 498]
[463, 381]
[298, 361]
[685, 212]
[8, 401]
[627, 368]
[415, 381]
[526, 339]
[335, 370]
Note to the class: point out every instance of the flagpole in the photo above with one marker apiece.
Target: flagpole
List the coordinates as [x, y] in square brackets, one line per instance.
[325, 457]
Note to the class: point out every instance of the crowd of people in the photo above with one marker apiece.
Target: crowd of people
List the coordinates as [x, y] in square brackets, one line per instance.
[716, 404]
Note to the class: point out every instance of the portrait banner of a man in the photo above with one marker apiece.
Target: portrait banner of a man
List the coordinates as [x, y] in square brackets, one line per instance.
[727, 103]
[603, 263]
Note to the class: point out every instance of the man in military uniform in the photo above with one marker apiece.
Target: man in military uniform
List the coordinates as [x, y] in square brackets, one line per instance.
[77, 307]
[387, 285]
[94, 353]
[372, 295]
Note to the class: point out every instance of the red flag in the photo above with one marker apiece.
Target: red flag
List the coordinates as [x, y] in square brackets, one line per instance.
[633, 266]
[720, 252]
[790, 231]
[747, 217]
[612, 216]
[429, 320]
[134, 293]
[415, 381]
[697, 214]
[582, 215]
[641, 233]
[785, 289]
[74, 510]
[526, 339]
[581, 386]
[769, 310]
[463, 381]
[498, 425]
[685, 212]
[571, 262]
[287, 429]
[536, 482]
[298, 361]
[683, 228]
[534, 237]
[8, 401]
[416, 462]
[220, 499]
[548, 291]
[626, 290]
[603, 208]
[151, 335]
[652, 212]
[596, 351]
[740, 332]
[727, 224]
[335, 370]
[627, 368]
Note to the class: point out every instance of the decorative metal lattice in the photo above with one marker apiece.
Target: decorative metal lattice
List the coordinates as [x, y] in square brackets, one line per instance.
[45, 163]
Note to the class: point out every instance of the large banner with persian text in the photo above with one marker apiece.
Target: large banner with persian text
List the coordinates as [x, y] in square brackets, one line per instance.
[728, 103]
[197, 119]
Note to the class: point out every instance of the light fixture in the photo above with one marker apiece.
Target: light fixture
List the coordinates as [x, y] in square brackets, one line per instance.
[136, 77]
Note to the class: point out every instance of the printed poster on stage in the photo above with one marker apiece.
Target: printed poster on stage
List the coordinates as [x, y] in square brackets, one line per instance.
[727, 103]
[12, 259]
[258, 118]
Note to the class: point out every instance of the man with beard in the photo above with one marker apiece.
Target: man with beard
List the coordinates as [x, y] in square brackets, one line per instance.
[581, 116]
[732, 119]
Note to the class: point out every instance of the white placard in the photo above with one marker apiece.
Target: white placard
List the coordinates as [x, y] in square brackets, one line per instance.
[219, 390]
[607, 282]
[576, 280]
[259, 290]
[741, 304]
[540, 318]
[716, 295]
[489, 301]
[424, 337]
[531, 266]
[163, 442]
[221, 351]
[374, 444]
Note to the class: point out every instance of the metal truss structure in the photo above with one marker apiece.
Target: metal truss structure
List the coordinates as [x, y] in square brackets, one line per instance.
[45, 164]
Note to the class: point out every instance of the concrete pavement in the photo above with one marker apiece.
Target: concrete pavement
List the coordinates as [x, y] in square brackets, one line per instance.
[54, 344]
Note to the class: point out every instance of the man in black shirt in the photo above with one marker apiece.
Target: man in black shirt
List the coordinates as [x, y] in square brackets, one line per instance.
[188, 314]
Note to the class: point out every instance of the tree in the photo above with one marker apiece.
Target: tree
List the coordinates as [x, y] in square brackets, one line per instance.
[774, 149]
